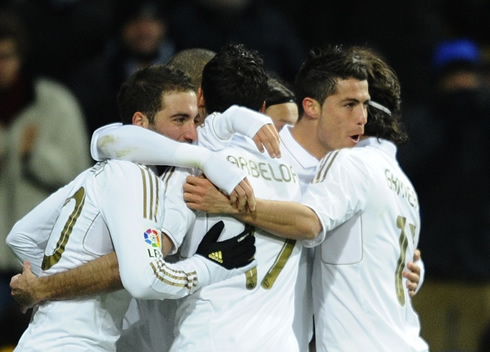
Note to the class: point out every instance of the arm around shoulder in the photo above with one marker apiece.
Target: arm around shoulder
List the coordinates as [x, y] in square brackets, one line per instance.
[284, 219]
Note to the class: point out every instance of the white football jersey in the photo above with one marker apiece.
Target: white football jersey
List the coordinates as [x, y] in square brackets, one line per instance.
[113, 206]
[305, 166]
[370, 216]
[252, 312]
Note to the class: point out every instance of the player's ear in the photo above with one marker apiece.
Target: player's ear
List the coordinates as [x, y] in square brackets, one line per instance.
[201, 103]
[311, 107]
[262, 109]
[140, 119]
[200, 99]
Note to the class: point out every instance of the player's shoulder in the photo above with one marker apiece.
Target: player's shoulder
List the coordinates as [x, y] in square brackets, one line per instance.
[363, 154]
[342, 155]
[121, 168]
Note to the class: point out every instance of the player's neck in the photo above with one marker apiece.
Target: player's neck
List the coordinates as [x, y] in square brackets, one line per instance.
[301, 133]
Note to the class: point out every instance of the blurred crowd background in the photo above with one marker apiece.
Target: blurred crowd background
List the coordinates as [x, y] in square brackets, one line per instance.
[62, 62]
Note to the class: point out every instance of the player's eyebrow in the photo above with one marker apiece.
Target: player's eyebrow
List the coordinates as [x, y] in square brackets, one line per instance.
[181, 114]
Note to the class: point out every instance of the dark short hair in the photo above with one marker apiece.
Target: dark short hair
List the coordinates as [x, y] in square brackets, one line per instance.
[144, 90]
[278, 91]
[318, 76]
[192, 62]
[234, 76]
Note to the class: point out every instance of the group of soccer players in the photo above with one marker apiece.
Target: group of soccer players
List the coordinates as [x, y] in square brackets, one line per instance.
[263, 250]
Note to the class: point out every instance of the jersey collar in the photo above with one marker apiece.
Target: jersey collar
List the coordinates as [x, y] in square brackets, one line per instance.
[382, 144]
[305, 159]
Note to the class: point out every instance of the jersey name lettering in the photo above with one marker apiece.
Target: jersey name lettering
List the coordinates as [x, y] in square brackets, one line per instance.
[269, 172]
[401, 189]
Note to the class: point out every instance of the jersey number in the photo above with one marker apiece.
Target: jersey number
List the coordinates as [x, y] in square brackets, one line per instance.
[274, 271]
[50, 260]
[401, 222]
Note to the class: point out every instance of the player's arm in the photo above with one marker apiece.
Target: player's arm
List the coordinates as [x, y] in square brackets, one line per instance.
[137, 144]
[134, 218]
[284, 219]
[98, 276]
[28, 237]
[177, 280]
[217, 130]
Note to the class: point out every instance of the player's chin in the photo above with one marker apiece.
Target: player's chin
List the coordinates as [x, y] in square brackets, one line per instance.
[348, 143]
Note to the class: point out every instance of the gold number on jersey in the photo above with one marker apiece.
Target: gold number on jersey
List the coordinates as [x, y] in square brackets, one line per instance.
[403, 242]
[276, 268]
[50, 260]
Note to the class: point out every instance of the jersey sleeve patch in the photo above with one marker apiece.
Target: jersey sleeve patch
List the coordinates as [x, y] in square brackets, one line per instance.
[153, 243]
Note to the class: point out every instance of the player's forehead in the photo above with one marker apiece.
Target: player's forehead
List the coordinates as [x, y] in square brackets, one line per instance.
[351, 89]
[179, 100]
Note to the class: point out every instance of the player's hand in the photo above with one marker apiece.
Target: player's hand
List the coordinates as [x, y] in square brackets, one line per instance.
[201, 194]
[233, 253]
[243, 198]
[23, 288]
[226, 259]
[222, 173]
[267, 138]
[413, 274]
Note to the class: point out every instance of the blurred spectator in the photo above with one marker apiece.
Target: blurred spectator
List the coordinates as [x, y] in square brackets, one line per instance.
[141, 40]
[43, 145]
[213, 23]
[454, 193]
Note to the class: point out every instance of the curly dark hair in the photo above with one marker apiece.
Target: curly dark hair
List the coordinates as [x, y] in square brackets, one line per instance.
[384, 89]
[234, 76]
[144, 91]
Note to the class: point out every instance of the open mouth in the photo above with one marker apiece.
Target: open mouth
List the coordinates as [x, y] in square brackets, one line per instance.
[355, 138]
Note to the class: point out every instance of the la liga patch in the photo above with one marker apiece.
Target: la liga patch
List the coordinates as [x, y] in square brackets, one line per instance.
[152, 238]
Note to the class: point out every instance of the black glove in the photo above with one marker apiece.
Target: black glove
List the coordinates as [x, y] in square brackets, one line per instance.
[235, 252]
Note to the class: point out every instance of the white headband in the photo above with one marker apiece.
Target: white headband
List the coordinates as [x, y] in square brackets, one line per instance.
[379, 107]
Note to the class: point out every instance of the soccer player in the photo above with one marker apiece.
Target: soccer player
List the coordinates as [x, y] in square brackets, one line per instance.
[361, 215]
[280, 103]
[253, 312]
[303, 149]
[120, 206]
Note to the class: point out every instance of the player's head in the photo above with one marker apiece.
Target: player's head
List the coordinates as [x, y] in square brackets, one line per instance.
[332, 93]
[192, 62]
[280, 103]
[384, 88]
[324, 67]
[234, 76]
[161, 99]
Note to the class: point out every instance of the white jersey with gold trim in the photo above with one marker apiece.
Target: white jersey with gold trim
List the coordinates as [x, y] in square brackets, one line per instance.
[305, 166]
[113, 206]
[370, 216]
[252, 312]
[215, 134]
